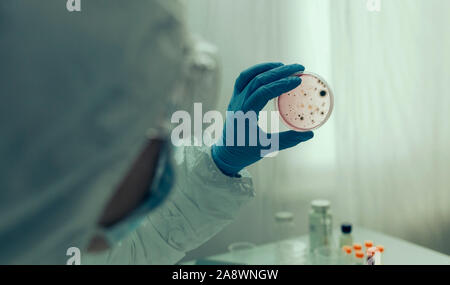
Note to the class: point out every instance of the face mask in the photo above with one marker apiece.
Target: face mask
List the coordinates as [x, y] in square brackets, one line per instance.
[160, 187]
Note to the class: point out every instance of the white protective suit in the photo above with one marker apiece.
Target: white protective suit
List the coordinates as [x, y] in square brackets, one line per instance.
[79, 91]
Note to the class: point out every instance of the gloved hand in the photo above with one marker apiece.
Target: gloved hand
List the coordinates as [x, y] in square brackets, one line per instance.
[253, 89]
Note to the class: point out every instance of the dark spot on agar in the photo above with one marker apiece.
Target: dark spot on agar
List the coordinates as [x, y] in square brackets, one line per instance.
[301, 118]
[322, 113]
[323, 93]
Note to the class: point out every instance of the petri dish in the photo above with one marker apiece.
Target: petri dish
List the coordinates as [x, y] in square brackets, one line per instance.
[328, 256]
[308, 106]
[242, 245]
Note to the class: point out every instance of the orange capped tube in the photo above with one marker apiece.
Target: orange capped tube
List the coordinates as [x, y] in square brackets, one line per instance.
[359, 254]
[368, 243]
[347, 249]
[359, 257]
[380, 248]
[357, 246]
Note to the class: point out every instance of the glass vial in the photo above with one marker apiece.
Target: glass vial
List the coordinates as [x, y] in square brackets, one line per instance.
[346, 237]
[320, 225]
[288, 249]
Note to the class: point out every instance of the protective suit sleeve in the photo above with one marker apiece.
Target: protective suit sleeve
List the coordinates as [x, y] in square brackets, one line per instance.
[203, 202]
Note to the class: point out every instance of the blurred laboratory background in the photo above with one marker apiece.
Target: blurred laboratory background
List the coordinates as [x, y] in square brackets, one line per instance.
[383, 159]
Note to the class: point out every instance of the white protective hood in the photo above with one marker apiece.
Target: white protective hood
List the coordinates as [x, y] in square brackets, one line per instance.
[78, 92]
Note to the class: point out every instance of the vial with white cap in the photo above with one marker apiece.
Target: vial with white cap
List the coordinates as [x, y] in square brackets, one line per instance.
[320, 225]
[285, 225]
[289, 250]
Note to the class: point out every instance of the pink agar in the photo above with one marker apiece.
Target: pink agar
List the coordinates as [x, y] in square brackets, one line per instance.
[308, 106]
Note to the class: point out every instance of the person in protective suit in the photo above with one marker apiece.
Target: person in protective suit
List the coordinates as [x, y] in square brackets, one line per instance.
[86, 157]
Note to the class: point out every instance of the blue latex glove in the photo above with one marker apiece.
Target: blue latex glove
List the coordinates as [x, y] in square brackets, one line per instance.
[253, 89]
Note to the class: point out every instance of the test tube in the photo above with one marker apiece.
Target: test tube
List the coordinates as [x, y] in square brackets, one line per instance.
[380, 248]
[347, 254]
[373, 256]
[359, 257]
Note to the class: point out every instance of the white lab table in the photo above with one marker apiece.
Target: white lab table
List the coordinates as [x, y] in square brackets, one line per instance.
[397, 252]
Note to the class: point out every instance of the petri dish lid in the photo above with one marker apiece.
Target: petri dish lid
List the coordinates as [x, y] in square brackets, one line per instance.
[241, 245]
[308, 106]
[284, 216]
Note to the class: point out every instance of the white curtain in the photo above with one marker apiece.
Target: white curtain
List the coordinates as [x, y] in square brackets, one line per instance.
[383, 159]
